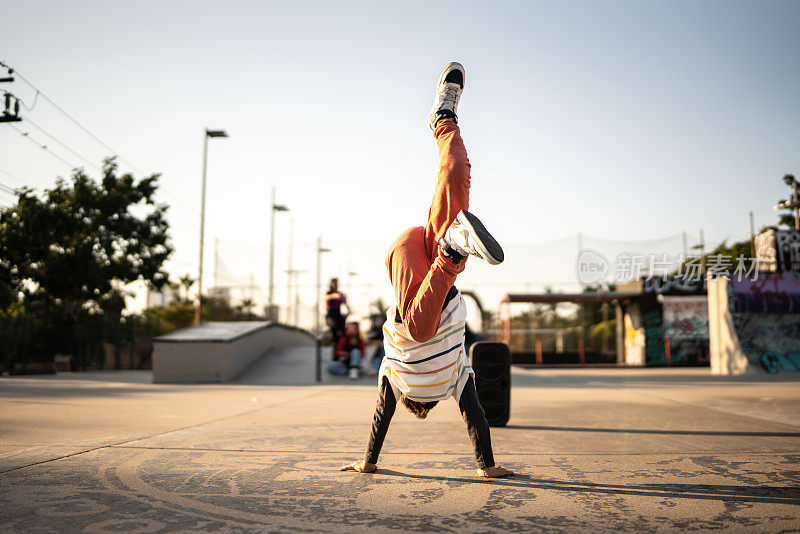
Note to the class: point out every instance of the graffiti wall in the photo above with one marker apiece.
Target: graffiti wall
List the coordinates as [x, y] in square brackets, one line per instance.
[652, 321]
[768, 292]
[685, 317]
[686, 327]
[766, 315]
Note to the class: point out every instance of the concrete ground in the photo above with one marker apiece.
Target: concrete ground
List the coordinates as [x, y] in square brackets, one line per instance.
[595, 450]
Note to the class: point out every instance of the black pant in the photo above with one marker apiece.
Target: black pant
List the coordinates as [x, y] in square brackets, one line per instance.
[336, 323]
[471, 411]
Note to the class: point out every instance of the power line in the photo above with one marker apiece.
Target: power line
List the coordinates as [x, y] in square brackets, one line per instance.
[82, 127]
[54, 138]
[40, 145]
[73, 119]
[45, 147]
[175, 198]
[14, 176]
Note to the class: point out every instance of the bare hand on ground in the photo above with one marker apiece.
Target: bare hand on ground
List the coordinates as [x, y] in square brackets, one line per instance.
[495, 472]
[361, 467]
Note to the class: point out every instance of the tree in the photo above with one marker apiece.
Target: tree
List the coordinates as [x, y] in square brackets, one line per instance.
[81, 241]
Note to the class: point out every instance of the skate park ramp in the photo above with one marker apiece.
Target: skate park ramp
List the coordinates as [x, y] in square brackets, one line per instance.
[754, 324]
[296, 366]
[223, 351]
[285, 366]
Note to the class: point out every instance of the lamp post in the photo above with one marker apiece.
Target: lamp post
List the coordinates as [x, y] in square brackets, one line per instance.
[320, 251]
[198, 311]
[701, 246]
[274, 208]
[794, 203]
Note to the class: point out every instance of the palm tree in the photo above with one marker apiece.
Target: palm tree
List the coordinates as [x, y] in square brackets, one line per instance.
[246, 307]
[186, 282]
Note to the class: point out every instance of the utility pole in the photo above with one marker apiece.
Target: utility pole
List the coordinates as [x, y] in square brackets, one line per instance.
[702, 252]
[292, 295]
[270, 296]
[296, 306]
[752, 235]
[685, 245]
[216, 265]
[11, 111]
[701, 246]
[350, 290]
[794, 203]
[289, 274]
[795, 199]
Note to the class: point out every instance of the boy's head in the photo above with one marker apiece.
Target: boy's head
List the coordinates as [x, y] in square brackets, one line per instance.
[419, 409]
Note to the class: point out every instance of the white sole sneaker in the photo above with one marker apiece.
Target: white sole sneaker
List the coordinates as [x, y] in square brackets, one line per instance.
[453, 65]
[480, 242]
[448, 93]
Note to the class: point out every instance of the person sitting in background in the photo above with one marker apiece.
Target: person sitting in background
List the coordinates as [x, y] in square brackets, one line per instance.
[348, 353]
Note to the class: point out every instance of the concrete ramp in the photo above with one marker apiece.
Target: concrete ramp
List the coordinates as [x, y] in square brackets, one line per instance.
[285, 366]
[221, 351]
[296, 366]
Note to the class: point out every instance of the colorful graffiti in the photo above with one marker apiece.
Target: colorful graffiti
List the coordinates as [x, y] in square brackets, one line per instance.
[767, 293]
[771, 340]
[686, 328]
[653, 325]
[685, 317]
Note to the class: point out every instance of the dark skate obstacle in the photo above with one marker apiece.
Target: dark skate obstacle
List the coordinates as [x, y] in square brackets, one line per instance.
[491, 362]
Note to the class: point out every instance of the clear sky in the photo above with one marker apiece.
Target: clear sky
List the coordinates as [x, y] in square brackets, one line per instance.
[620, 120]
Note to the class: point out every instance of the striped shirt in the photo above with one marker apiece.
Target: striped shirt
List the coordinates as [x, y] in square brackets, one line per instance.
[433, 370]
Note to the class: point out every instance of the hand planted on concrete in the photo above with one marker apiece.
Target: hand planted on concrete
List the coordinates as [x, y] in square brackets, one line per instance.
[361, 467]
[495, 472]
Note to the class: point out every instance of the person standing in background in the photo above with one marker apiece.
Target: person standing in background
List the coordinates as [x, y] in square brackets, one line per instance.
[334, 300]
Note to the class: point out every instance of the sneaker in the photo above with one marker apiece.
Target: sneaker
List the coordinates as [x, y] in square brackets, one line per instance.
[448, 92]
[353, 373]
[467, 236]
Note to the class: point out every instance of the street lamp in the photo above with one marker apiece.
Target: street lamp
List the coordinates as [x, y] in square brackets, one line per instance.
[198, 311]
[320, 251]
[794, 203]
[701, 246]
[274, 208]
